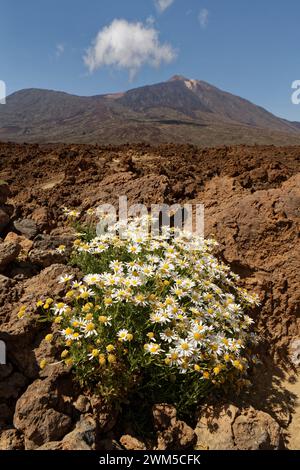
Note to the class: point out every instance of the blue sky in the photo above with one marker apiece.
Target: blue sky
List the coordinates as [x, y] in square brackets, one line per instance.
[249, 48]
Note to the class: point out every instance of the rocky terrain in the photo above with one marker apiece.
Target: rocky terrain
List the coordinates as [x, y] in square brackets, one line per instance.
[251, 197]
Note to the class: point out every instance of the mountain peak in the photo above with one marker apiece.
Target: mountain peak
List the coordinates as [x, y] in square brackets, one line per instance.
[178, 78]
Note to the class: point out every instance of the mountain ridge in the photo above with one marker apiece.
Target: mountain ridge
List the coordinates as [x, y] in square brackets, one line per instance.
[178, 110]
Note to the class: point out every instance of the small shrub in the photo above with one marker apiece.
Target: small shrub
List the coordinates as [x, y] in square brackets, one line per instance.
[156, 316]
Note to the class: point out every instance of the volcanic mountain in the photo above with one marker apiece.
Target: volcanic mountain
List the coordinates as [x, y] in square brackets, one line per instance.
[179, 110]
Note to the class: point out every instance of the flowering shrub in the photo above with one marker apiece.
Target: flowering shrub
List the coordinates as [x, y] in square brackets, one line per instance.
[159, 316]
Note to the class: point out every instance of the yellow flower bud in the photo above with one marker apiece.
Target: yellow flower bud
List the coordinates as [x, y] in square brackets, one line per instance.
[102, 319]
[70, 294]
[102, 360]
[43, 364]
[111, 358]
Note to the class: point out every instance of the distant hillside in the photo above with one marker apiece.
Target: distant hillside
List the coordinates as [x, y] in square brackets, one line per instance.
[179, 110]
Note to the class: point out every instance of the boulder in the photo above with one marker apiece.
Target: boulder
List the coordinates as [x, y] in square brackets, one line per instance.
[294, 349]
[45, 258]
[11, 439]
[226, 427]
[172, 434]
[83, 437]
[23, 336]
[5, 284]
[44, 251]
[40, 217]
[40, 412]
[8, 253]
[24, 242]
[55, 445]
[26, 227]
[82, 404]
[132, 443]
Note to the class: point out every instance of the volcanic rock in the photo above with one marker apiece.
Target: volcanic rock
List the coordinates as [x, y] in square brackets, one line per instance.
[227, 427]
[8, 253]
[26, 227]
[11, 439]
[171, 432]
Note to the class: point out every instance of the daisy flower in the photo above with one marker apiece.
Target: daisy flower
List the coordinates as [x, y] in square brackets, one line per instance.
[124, 335]
[178, 292]
[105, 320]
[65, 278]
[89, 330]
[85, 292]
[76, 336]
[168, 335]
[92, 279]
[184, 348]
[94, 353]
[67, 333]
[153, 348]
[76, 284]
[159, 317]
[140, 299]
[72, 213]
[173, 357]
[100, 248]
[122, 294]
[116, 266]
[60, 308]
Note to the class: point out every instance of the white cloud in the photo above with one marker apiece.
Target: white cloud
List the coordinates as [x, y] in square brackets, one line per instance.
[162, 5]
[60, 49]
[128, 45]
[203, 18]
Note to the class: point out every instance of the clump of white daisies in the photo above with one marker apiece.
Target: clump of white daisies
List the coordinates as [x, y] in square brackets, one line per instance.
[154, 315]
